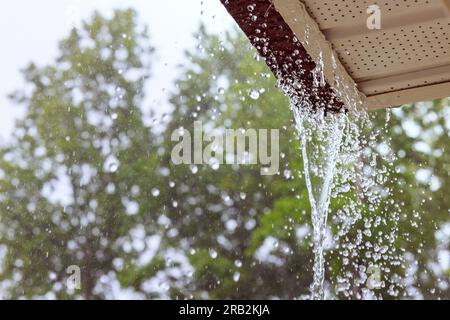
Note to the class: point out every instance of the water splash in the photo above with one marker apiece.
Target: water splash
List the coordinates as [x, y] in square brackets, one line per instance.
[321, 137]
[339, 153]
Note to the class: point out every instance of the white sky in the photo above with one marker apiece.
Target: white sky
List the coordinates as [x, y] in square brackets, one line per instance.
[30, 31]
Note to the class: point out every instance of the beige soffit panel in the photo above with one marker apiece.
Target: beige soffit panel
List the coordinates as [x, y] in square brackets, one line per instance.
[406, 61]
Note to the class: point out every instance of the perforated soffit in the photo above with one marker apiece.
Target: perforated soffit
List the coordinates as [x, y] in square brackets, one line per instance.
[407, 60]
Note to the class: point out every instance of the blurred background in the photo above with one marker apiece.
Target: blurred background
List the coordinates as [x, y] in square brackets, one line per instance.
[90, 93]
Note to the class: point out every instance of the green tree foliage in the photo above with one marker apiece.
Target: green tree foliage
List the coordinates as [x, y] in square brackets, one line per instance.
[420, 134]
[83, 136]
[200, 231]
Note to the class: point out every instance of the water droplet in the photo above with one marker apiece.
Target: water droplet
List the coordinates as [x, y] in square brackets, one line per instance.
[215, 166]
[254, 94]
[155, 192]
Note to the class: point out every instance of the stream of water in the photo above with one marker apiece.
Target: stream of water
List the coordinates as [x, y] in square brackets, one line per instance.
[340, 160]
[321, 137]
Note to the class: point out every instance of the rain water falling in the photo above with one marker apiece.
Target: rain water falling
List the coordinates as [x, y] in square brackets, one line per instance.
[340, 160]
[347, 162]
[320, 142]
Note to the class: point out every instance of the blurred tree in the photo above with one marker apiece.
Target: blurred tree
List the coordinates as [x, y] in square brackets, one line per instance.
[75, 180]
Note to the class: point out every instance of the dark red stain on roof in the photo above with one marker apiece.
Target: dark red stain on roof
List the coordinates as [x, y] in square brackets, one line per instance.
[283, 53]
